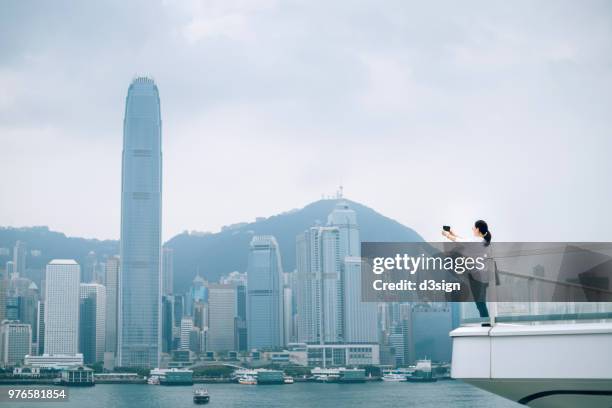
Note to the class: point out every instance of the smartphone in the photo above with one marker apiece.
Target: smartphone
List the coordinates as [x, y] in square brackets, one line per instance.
[446, 228]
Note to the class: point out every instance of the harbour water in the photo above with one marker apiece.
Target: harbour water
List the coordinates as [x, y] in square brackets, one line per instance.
[299, 395]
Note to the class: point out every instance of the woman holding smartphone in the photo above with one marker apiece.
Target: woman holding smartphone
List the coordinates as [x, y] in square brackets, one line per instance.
[479, 281]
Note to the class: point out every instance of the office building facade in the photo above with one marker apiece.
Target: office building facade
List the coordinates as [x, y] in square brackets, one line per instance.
[15, 342]
[221, 315]
[92, 330]
[62, 280]
[265, 318]
[112, 302]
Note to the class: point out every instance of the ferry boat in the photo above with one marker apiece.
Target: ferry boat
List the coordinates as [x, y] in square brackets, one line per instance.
[201, 396]
[288, 380]
[153, 380]
[243, 372]
[422, 372]
[171, 376]
[393, 377]
[247, 380]
[352, 375]
[325, 374]
[265, 376]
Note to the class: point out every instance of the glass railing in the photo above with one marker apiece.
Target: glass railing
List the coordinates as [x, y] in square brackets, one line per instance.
[533, 275]
[539, 318]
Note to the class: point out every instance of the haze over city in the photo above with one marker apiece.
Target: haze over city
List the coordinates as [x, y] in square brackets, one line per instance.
[498, 112]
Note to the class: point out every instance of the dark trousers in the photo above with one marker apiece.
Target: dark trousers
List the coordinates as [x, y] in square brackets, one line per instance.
[479, 291]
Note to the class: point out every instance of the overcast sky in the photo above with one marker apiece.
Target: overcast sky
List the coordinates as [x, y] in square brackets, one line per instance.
[429, 112]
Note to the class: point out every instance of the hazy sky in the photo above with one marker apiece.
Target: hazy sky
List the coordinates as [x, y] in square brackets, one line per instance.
[429, 112]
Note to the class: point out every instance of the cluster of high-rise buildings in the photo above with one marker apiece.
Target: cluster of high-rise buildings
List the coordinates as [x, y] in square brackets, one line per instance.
[123, 310]
[328, 283]
[66, 319]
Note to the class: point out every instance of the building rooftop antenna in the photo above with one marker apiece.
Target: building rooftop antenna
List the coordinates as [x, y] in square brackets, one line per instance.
[340, 193]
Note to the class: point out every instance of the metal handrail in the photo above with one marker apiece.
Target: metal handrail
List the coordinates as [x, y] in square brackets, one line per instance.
[541, 318]
[556, 282]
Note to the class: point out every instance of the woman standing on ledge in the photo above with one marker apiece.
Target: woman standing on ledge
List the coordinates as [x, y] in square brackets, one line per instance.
[479, 281]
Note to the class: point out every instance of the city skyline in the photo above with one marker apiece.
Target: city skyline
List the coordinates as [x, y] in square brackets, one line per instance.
[333, 198]
[466, 97]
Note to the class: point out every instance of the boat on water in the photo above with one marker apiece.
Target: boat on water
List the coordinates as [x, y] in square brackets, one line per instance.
[340, 374]
[394, 377]
[351, 375]
[170, 376]
[247, 380]
[265, 376]
[288, 380]
[327, 378]
[325, 374]
[422, 372]
[153, 380]
[201, 396]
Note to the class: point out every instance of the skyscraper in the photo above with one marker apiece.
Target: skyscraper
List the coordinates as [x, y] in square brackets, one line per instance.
[265, 320]
[140, 257]
[221, 314]
[167, 323]
[198, 292]
[92, 333]
[112, 288]
[360, 318]
[24, 303]
[88, 273]
[331, 291]
[308, 286]
[41, 328]
[328, 283]
[345, 219]
[287, 309]
[428, 328]
[3, 287]
[19, 258]
[239, 280]
[15, 342]
[10, 269]
[186, 328]
[62, 307]
[167, 271]
[319, 294]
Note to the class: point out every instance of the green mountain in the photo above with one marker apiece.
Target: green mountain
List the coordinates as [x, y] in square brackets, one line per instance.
[212, 255]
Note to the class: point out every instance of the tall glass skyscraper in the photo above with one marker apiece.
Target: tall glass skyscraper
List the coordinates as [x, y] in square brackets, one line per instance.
[265, 320]
[140, 257]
